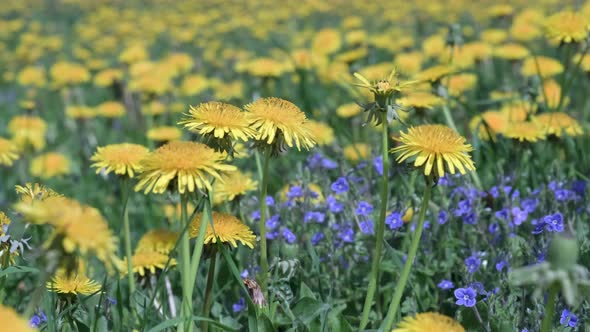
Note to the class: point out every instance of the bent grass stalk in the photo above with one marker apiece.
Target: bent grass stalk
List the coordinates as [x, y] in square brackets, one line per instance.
[374, 277]
[401, 285]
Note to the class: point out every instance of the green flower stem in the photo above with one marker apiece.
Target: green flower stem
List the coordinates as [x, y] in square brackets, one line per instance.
[449, 117]
[550, 308]
[186, 309]
[569, 82]
[401, 285]
[262, 224]
[127, 234]
[198, 250]
[374, 277]
[208, 292]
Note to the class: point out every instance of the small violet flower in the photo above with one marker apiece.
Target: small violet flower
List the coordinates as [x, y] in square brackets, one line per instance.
[465, 297]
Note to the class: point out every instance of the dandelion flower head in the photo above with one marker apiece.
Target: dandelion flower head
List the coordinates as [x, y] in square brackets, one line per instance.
[226, 227]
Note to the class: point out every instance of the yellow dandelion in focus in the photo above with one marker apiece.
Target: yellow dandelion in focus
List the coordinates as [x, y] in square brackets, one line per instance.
[356, 152]
[34, 192]
[279, 121]
[429, 322]
[511, 51]
[558, 123]
[159, 240]
[322, 133]
[435, 145]
[190, 164]
[348, 110]
[219, 120]
[8, 152]
[111, 109]
[124, 159]
[12, 322]
[164, 134]
[567, 27]
[147, 261]
[50, 165]
[234, 184]
[547, 67]
[28, 131]
[228, 229]
[73, 284]
[525, 131]
[420, 100]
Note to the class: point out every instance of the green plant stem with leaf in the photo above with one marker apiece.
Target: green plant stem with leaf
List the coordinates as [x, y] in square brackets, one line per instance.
[401, 285]
[262, 223]
[187, 304]
[209, 292]
[374, 276]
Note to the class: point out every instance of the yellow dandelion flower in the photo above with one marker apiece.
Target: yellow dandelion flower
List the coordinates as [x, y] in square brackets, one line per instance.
[511, 51]
[435, 73]
[158, 240]
[234, 184]
[194, 84]
[489, 124]
[408, 215]
[460, 83]
[190, 164]
[229, 90]
[350, 56]
[73, 284]
[524, 31]
[219, 120]
[67, 73]
[28, 131]
[8, 152]
[434, 45]
[525, 131]
[107, 77]
[429, 321]
[356, 152]
[32, 76]
[50, 165]
[227, 228]
[111, 109]
[11, 321]
[518, 111]
[494, 36]
[147, 262]
[172, 211]
[431, 145]
[322, 133]
[348, 110]
[552, 91]
[558, 123]
[567, 27]
[154, 108]
[134, 53]
[326, 41]
[386, 86]
[279, 121]
[420, 100]
[164, 134]
[500, 10]
[81, 112]
[411, 62]
[124, 159]
[266, 67]
[34, 192]
[547, 67]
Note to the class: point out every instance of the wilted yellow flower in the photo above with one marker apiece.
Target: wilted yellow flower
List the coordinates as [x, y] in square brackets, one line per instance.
[227, 228]
[124, 159]
[191, 165]
[278, 121]
[433, 146]
[28, 131]
[8, 152]
[50, 165]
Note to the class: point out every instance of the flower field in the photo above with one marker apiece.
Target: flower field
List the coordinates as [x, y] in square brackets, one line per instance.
[294, 166]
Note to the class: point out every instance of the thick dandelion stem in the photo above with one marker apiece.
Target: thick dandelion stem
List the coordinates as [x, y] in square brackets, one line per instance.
[200, 241]
[209, 292]
[127, 235]
[262, 224]
[550, 308]
[401, 285]
[186, 309]
[374, 277]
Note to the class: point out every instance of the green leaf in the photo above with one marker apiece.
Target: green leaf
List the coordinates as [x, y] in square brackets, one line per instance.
[308, 308]
[17, 269]
[173, 322]
[264, 324]
[305, 291]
